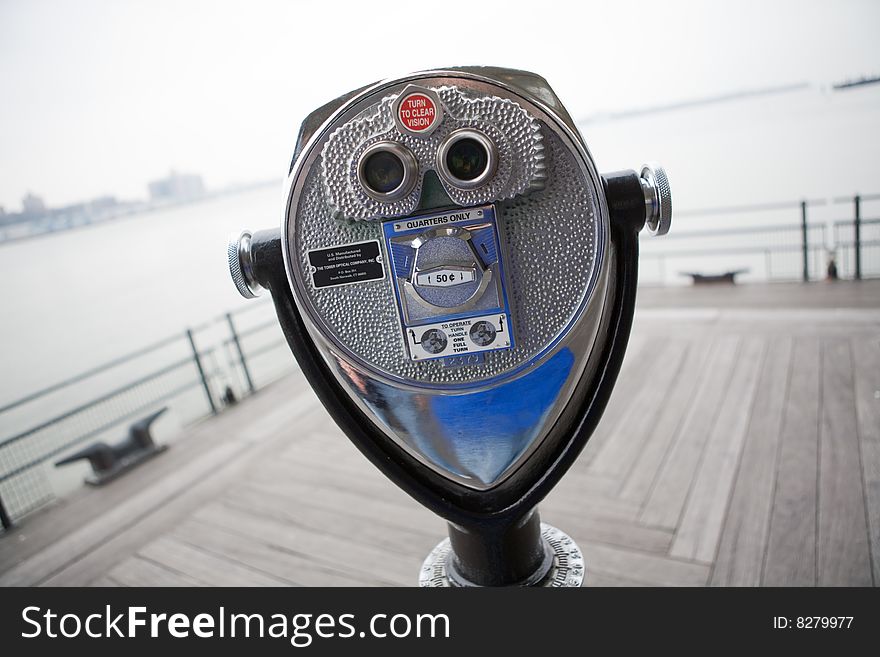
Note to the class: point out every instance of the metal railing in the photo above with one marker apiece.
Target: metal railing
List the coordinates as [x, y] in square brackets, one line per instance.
[194, 381]
[796, 251]
[858, 255]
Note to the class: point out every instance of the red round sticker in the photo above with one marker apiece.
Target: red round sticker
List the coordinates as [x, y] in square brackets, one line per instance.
[417, 112]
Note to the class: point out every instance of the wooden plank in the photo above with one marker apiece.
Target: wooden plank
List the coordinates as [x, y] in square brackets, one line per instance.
[608, 530]
[843, 553]
[743, 540]
[73, 546]
[337, 471]
[47, 527]
[346, 524]
[576, 490]
[700, 527]
[122, 530]
[640, 354]
[329, 550]
[598, 579]
[618, 454]
[211, 569]
[636, 485]
[334, 473]
[582, 483]
[652, 569]
[391, 508]
[791, 546]
[137, 571]
[323, 458]
[603, 517]
[866, 361]
[399, 513]
[260, 553]
[667, 499]
[40, 530]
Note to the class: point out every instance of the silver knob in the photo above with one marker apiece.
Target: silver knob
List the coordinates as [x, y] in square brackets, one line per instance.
[658, 199]
[241, 265]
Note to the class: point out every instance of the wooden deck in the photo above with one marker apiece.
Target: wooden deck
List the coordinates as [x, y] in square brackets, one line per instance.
[741, 447]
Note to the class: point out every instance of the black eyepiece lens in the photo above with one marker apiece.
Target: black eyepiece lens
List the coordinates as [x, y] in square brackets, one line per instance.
[467, 159]
[383, 172]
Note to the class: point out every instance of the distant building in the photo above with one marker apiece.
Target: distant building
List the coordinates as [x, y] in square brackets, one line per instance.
[177, 187]
[33, 205]
[103, 203]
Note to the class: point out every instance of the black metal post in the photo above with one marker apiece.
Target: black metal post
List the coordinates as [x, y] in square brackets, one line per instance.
[499, 555]
[241, 358]
[857, 234]
[805, 241]
[5, 520]
[198, 361]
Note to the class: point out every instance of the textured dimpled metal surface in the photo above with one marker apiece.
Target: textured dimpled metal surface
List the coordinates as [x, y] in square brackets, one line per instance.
[549, 237]
[517, 136]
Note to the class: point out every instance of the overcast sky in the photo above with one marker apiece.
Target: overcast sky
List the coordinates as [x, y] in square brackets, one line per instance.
[100, 96]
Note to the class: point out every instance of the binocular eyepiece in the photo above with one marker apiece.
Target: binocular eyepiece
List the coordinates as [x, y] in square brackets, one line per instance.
[457, 282]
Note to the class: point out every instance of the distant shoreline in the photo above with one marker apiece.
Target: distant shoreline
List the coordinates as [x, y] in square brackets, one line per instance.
[147, 208]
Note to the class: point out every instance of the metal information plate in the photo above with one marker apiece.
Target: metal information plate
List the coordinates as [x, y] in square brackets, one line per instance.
[345, 264]
[433, 220]
[458, 336]
[448, 278]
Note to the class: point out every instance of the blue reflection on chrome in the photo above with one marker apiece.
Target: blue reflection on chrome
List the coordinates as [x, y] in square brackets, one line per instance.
[477, 435]
[490, 430]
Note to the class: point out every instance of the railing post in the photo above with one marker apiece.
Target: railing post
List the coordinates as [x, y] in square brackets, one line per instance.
[198, 361]
[241, 358]
[857, 235]
[804, 238]
[5, 520]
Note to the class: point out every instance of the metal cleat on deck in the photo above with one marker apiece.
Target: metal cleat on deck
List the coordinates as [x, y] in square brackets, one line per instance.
[110, 461]
[724, 278]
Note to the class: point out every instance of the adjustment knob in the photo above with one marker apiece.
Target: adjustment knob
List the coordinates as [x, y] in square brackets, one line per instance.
[241, 265]
[658, 199]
